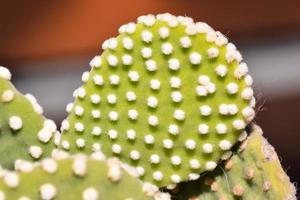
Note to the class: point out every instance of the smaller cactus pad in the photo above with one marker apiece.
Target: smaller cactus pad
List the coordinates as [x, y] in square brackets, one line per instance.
[252, 173]
[168, 96]
[76, 178]
[24, 133]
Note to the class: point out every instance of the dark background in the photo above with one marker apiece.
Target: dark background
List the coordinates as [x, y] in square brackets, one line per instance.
[48, 44]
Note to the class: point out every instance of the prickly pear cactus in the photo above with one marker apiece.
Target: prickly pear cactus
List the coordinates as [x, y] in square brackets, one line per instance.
[24, 133]
[74, 178]
[168, 96]
[254, 172]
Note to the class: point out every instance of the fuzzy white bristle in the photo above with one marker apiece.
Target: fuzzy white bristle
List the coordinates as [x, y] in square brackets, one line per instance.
[185, 42]
[133, 114]
[134, 76]
[176, 96]
[116, 148]
[194, 164]
[96, 114]
[127, 59]
[96, 62]
[232, 88]
[151, 65]
[15, 123]
[112, 60]
[135, 155]
[152, 102]
[168, 144]
[158, 175]
[167, 48]
[154, 159]
[210, 165]
[35, 151]
[175, 82]
[190, 144]
[131, 134]
[221, 128]
[80, 142]
[47, 191]
[173, 129]
[146, 52]
[127, 43]
[149, 139]
[90, 194]
[131, 96]
[205, 110]
[174, 64]
[113, 115]
[175, 160]
[225, 145]
[207, 148]
[153, 120]
[5, 73]
[203, 129]
[195, 58]
[111, 99]
[213, 52]
[113, 134]
[98, 80]
[147, 36]
[163, 32]
[221, 70]
[179, 114]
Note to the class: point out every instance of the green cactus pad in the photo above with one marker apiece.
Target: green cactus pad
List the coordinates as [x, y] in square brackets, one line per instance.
[252, 173]
[168, 96]
[75, 178]
[24, 133]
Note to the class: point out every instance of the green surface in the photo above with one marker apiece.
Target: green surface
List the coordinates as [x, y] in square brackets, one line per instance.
[15, 144]
[71, 186]
[254, 173]
[188, 128]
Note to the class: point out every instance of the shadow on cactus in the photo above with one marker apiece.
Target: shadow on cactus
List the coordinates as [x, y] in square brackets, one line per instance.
[24, 133]
[168, 96]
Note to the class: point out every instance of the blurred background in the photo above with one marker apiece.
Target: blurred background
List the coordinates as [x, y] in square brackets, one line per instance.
[48, 44]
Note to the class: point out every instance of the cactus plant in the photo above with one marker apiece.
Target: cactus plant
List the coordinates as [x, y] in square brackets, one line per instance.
[168, 101]
[76, 177]
[168, 96]
[254, 172]
[24, 133]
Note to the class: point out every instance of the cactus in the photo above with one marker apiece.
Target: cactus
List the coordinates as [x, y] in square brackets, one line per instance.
[76, 177]
[168, 96]
[254, 172]
[24, 133]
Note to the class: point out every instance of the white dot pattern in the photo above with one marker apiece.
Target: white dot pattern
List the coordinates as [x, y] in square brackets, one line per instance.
[157, 91]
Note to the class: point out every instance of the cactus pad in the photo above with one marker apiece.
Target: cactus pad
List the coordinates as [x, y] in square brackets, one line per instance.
[252, 173]
[24, 133]
[78, 177]
[168, 96]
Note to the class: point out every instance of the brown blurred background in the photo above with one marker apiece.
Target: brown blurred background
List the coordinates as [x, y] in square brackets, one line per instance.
[48, 44]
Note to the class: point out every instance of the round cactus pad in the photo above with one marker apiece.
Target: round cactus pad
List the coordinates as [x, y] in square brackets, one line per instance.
[24, 133]
[168, 96]
[74, 178]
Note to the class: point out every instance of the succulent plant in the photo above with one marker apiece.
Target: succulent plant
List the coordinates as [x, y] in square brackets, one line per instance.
[24, 133]
[169, 101]
[168, 96]
[254, 172]
[76, 177]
